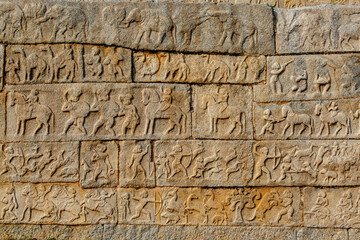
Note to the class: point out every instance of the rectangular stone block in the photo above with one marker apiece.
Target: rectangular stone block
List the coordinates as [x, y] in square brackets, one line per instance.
[327, 233]
[306, 163]
[307, 120]
[310, 77]
[57, 204]
[40, 162]
[2, 56]
[317, 29]
[222, 112]
[216, 206]
[64, 63]
[204, 68]
[99, 164]
[97, 111]
[203, 163]
[136, 164]
[2, 115]
[136, 206]
[151, 26]
[331, 207]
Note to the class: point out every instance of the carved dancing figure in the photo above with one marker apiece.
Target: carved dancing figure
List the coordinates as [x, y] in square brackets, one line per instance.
[77, 108]
[276, 70]
[136, 161]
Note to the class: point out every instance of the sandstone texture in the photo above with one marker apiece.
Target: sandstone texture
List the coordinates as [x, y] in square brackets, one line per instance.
[179, 120]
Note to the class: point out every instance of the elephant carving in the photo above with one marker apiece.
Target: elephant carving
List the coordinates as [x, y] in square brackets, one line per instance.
[150, 20]
[12, 21]
[69, 23]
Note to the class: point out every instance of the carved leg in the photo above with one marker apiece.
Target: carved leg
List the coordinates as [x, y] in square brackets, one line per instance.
[18, 126]
[147, 123]
[22, 127]
[215, 124]
[321, 128]
[39, 126]
[109, 124]
[138, 37]
[285, 128]
[68, 124]
[97, 125]
[338, 129]
[233, 126]
[80, 124]
[212, 122]
[172, 126]
[302, 129]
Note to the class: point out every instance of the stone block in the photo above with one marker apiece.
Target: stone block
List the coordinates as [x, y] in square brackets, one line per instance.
[195, 68]
[65, 63]
[222, 112]
[207, 163]
[97, 111]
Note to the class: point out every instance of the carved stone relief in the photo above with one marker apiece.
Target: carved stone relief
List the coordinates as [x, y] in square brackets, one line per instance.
[203, 163]
[222, 112]
[96, 111]
[189, 68]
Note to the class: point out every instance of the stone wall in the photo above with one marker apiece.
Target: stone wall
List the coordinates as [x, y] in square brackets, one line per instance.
[125, 120]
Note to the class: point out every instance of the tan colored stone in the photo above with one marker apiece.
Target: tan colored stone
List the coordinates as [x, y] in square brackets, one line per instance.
[40, 162]
[165, 26]
[307, 120]
[317, 233]
[222, 112]
[203, 163]
[56, 204]
[308, 77]
[331, 207]
[60, 63]
[98, 164]
[136, 164]
[216, 206]
[306, 163]
[136, 206]
[2, 56]
[98, 111]
[317, 29]
[191, 68]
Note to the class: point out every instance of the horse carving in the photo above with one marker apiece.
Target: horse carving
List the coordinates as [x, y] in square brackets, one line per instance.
[234, 115]
[329, 117]
[292, 119]
[25, 110]
[162, 107]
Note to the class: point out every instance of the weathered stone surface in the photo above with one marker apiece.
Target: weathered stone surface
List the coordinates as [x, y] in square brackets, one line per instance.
[51, 232]
[64, 63]
[137, 168]
[331, 207]
[203, 163]
[317, 29]
[307, 77]
[314, 233]
[56, 204]
[222, 112]
[154, 26]
[307, 120]
[127, 232]
[98, 111]
[40, 162]
[99, 164]
[2, 56]
[191, 68]
[304, 163]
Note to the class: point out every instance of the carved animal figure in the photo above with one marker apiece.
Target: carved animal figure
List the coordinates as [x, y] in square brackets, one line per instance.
[172, 209]
[42, 114]
[215, 68]
[328, 119]
[12, 21]
[69, 23]
[146, 65]
[233, 114]
[152, 100]
[292, 119]
[150, 20]
[348, 32]
[220, 216]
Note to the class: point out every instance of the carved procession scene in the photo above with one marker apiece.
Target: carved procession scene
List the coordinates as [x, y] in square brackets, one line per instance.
[92, 111]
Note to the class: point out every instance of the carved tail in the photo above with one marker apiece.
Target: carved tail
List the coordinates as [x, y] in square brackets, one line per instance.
[348, 127]
[184, 129]
[243, 121]
[174, 34]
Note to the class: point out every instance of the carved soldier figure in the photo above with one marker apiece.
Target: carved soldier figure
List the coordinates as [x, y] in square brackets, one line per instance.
[10, 155]
[162, 166]
[322, 77]
[78, 110]
[286, 166]
[285, 202]
[113, 62]
[143, 202]
[131, 116]
[108, 110]
[93, 62]
[177, 166]
[100, 165]
[11, 204]
[136, 161]
[276, 70]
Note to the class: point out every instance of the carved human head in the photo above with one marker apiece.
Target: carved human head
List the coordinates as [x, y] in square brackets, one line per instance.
[322, 194]
[125, 196]
[127, 99]
[177, 148]
[9, 150]
[101, 147]
[162, 154]
[103, 93]
[144, 194]
[264, 150]
[137, 149]
[74, 94]
[267, 112]
[95, 51]
[167, 91]
[276, 66]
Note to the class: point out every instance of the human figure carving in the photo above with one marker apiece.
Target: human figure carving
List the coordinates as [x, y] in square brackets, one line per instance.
[276, 70]
[270, 121]
[93, 63]
[299, 77]
[124, 206]
[136, 162]
[8, 164]
[130, 114]
[162, 166]
[286, 203]
[260, 165]
[141, 207]
[177, 165]
[114, 63]
[11, 204]
[322, 81]
[77, 108]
